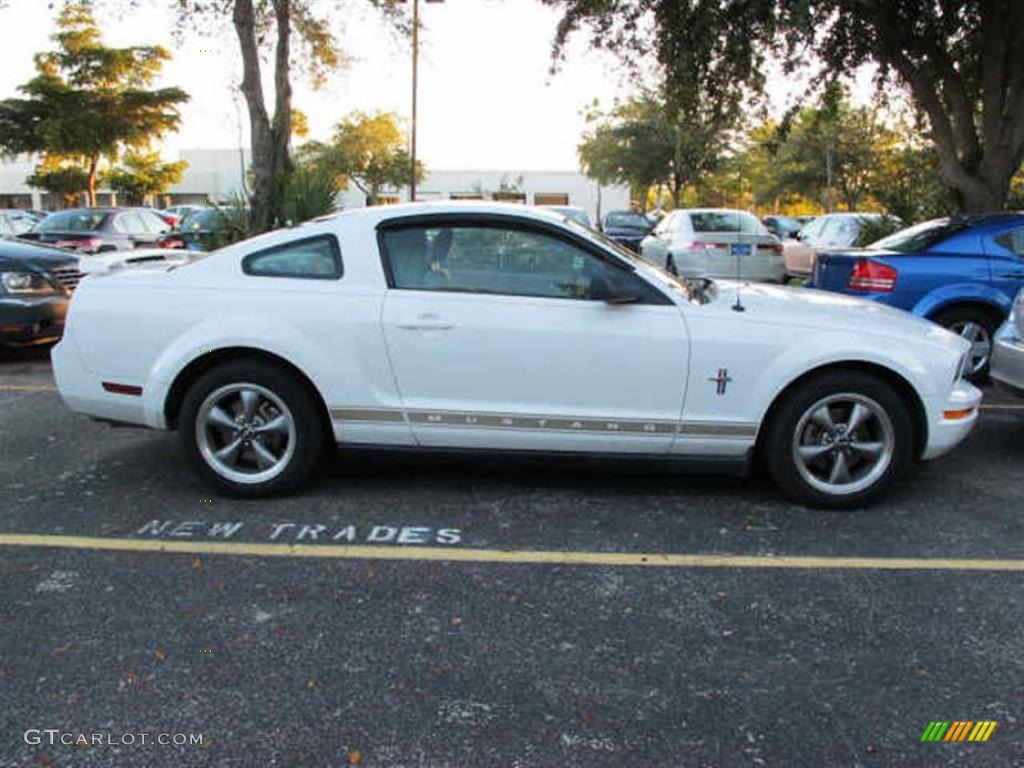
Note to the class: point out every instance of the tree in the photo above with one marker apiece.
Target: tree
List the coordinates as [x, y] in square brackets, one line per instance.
[830, 152]
[645, 142]
[296, 35]
[89, 101]
[142, 175]
[630, 145]
[367, 150]
[707, 62]
[963, 64]
[61, 176]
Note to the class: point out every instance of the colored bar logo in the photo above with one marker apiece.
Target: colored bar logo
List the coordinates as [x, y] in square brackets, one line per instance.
[958, 730]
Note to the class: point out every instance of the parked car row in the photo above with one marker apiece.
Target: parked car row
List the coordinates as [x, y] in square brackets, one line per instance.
[961, 272]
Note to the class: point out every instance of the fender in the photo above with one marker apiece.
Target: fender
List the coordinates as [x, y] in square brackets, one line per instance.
[818, 352]
[266, 333]
[958, 293]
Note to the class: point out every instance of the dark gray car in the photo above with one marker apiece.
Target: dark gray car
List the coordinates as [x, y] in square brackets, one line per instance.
[36, 284]
[95, 230]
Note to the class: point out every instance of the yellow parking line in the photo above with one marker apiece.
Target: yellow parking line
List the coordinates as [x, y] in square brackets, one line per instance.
[27, 388]
[540, 557]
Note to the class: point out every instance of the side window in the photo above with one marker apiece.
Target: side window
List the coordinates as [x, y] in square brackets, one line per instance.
[846, 232]
[129, 223]
[811, 231]
[314, 258]
[153, 223]
[1013, 241]
[829, 232]
[498, 260]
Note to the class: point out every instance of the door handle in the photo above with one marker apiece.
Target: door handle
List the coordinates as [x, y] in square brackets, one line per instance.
[426, 322]
[1015, 275]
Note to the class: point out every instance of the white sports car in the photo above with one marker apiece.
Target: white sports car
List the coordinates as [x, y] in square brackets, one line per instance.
[499, 327]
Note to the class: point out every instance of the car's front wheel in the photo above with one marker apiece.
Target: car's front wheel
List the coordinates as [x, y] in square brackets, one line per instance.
[837, 440]
[251, 428]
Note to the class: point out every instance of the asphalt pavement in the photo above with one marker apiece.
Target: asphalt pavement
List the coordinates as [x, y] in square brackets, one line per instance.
[406, 611]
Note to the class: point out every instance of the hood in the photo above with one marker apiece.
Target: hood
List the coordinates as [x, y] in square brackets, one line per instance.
[823, 310]
[20, 255]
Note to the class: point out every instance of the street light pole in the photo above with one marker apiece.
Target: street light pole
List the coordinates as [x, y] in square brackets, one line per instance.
[415, 74]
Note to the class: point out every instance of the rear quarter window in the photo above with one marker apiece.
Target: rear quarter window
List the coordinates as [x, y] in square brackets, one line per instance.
[1013, 241]
[312, 258]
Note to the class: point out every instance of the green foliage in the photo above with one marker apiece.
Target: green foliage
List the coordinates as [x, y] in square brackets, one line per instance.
[60, 176]
[960, 61]
[88, 100]
[233, 223]
[142, 175]
[645, 142]
[875, 229]
[828, 153]
[367, 150]
[309, 192]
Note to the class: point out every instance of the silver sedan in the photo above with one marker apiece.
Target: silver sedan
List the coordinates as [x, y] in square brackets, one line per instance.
[1008, 349]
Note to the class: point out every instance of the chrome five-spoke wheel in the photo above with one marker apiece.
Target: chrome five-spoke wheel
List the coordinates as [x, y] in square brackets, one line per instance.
[843, 443]
[245, 433]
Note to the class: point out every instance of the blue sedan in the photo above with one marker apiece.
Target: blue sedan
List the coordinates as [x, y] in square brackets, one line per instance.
[962, 272]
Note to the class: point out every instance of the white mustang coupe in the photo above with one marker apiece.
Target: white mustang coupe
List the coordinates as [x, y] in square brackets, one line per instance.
[499, 327]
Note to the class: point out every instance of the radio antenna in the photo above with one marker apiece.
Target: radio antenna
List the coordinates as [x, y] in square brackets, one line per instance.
[738, 306]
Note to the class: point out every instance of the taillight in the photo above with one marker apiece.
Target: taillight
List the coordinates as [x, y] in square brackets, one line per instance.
[773, 247]
[699, 245]
[871, 276]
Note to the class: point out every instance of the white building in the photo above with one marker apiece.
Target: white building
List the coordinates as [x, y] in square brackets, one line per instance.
[219, 173]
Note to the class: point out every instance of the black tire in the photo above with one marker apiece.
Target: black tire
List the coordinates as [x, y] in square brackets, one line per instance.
[302, 412]
[792, 416]
[955, 317]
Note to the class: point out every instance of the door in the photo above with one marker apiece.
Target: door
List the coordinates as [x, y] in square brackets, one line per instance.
[501, 336]
[654, 248]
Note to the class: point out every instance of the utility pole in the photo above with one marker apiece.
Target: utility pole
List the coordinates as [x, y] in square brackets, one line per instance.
[415, 91]
[415, 77]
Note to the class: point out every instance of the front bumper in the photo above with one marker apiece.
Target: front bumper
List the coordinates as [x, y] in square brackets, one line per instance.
[1007, 366]
[30, 321]
[951, 419]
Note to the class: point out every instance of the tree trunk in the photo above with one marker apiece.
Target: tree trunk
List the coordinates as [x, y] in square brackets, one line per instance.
[94, 164]
[271, 142]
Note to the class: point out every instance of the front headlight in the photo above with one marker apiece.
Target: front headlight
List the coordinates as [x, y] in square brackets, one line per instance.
[26, 283]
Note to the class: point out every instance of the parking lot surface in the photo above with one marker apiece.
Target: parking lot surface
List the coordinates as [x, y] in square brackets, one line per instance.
[406, 611]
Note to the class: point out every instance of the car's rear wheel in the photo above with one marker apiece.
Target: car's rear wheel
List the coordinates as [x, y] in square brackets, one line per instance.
[251, 428]
[837, 440]
[976, 326]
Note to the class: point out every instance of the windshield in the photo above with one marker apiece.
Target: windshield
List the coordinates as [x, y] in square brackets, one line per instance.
[73, 221]
[726, 221]
[201, 219]
[919, 237]
[626, 221]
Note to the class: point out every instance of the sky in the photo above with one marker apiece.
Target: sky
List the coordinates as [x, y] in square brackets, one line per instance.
[487, 100]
